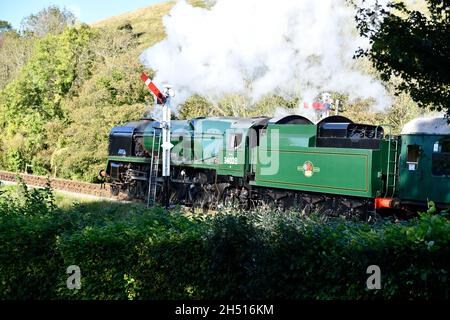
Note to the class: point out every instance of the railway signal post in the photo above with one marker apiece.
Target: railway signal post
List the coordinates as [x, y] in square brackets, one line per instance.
[163, 99]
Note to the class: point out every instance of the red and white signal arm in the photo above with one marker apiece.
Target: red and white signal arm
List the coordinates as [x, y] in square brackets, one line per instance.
[159, 95]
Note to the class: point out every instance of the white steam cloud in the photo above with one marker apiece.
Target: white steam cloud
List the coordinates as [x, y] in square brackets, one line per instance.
[256, 47]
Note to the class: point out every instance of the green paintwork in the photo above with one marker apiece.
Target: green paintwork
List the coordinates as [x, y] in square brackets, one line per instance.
[337, 171]
[206, 146]
[343, 171]
[294, 135]
[421, 184]
[128, 159]
[179, 128]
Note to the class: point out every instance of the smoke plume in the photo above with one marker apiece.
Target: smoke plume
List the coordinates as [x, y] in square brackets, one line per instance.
[258, 47]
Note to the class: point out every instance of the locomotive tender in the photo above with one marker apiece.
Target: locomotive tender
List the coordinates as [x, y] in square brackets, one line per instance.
[334, 165]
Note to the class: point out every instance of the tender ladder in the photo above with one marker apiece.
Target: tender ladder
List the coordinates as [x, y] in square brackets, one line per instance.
[392, 174]
[154, 168]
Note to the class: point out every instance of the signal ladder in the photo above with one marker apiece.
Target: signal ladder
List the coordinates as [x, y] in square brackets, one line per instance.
[154, 166]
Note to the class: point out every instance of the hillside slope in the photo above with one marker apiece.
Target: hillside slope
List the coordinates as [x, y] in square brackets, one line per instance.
[145, 21]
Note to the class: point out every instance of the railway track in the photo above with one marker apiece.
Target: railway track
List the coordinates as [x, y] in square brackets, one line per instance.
[92, 189]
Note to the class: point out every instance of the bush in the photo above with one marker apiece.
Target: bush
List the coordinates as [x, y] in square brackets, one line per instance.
[129, 252]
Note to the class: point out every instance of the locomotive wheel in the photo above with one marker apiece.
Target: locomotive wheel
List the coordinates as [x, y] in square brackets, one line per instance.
[284, 204]
[368, 215]
[212, 202]
[200, 202]
[206, 199]
[230, 199]
[304, 205]
[114, 190]
[132, 191]
[325, 208]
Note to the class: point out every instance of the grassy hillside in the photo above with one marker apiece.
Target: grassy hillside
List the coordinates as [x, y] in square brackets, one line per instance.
[146, 21]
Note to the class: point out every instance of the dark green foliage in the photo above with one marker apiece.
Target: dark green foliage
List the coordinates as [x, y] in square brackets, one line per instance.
[412, 46]
[129, 252]
[27, 236]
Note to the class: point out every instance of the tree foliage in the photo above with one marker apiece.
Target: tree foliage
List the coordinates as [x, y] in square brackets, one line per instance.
[235, 105]
[51, 20]
[14, 54]
[412, 46]
[5, 26]
[34, 97]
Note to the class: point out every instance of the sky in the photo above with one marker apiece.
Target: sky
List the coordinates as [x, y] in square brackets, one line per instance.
[87, 11]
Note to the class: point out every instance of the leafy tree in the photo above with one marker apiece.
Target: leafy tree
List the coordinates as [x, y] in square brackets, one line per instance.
[14, 54]
[269, 104]
[35, 95]
[412, 46]
[5, 26]
[195, 106]
[113, 95]
[234, 105]
[403, 110]
[59, 101]
[49, 74]
[360, 111]
[51, 20]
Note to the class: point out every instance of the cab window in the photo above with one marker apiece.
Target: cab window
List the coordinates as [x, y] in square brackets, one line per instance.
[234, 141]
[441, 158]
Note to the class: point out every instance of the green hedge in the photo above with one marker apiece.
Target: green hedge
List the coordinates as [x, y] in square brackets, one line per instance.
[127, 252]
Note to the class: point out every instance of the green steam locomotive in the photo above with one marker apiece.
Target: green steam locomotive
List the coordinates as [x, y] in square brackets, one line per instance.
[334, 166]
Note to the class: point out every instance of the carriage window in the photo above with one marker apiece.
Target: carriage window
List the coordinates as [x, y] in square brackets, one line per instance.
[234, 141]
[412, 157]
[441, 158]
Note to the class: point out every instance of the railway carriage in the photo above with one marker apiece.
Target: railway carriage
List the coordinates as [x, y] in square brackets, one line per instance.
[425, 162]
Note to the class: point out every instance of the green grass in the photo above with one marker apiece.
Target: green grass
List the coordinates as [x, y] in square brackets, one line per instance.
[4, 187]
[64, 200]
[67, 201]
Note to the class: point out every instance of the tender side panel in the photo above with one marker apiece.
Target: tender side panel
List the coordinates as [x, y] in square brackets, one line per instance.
[327, 170]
